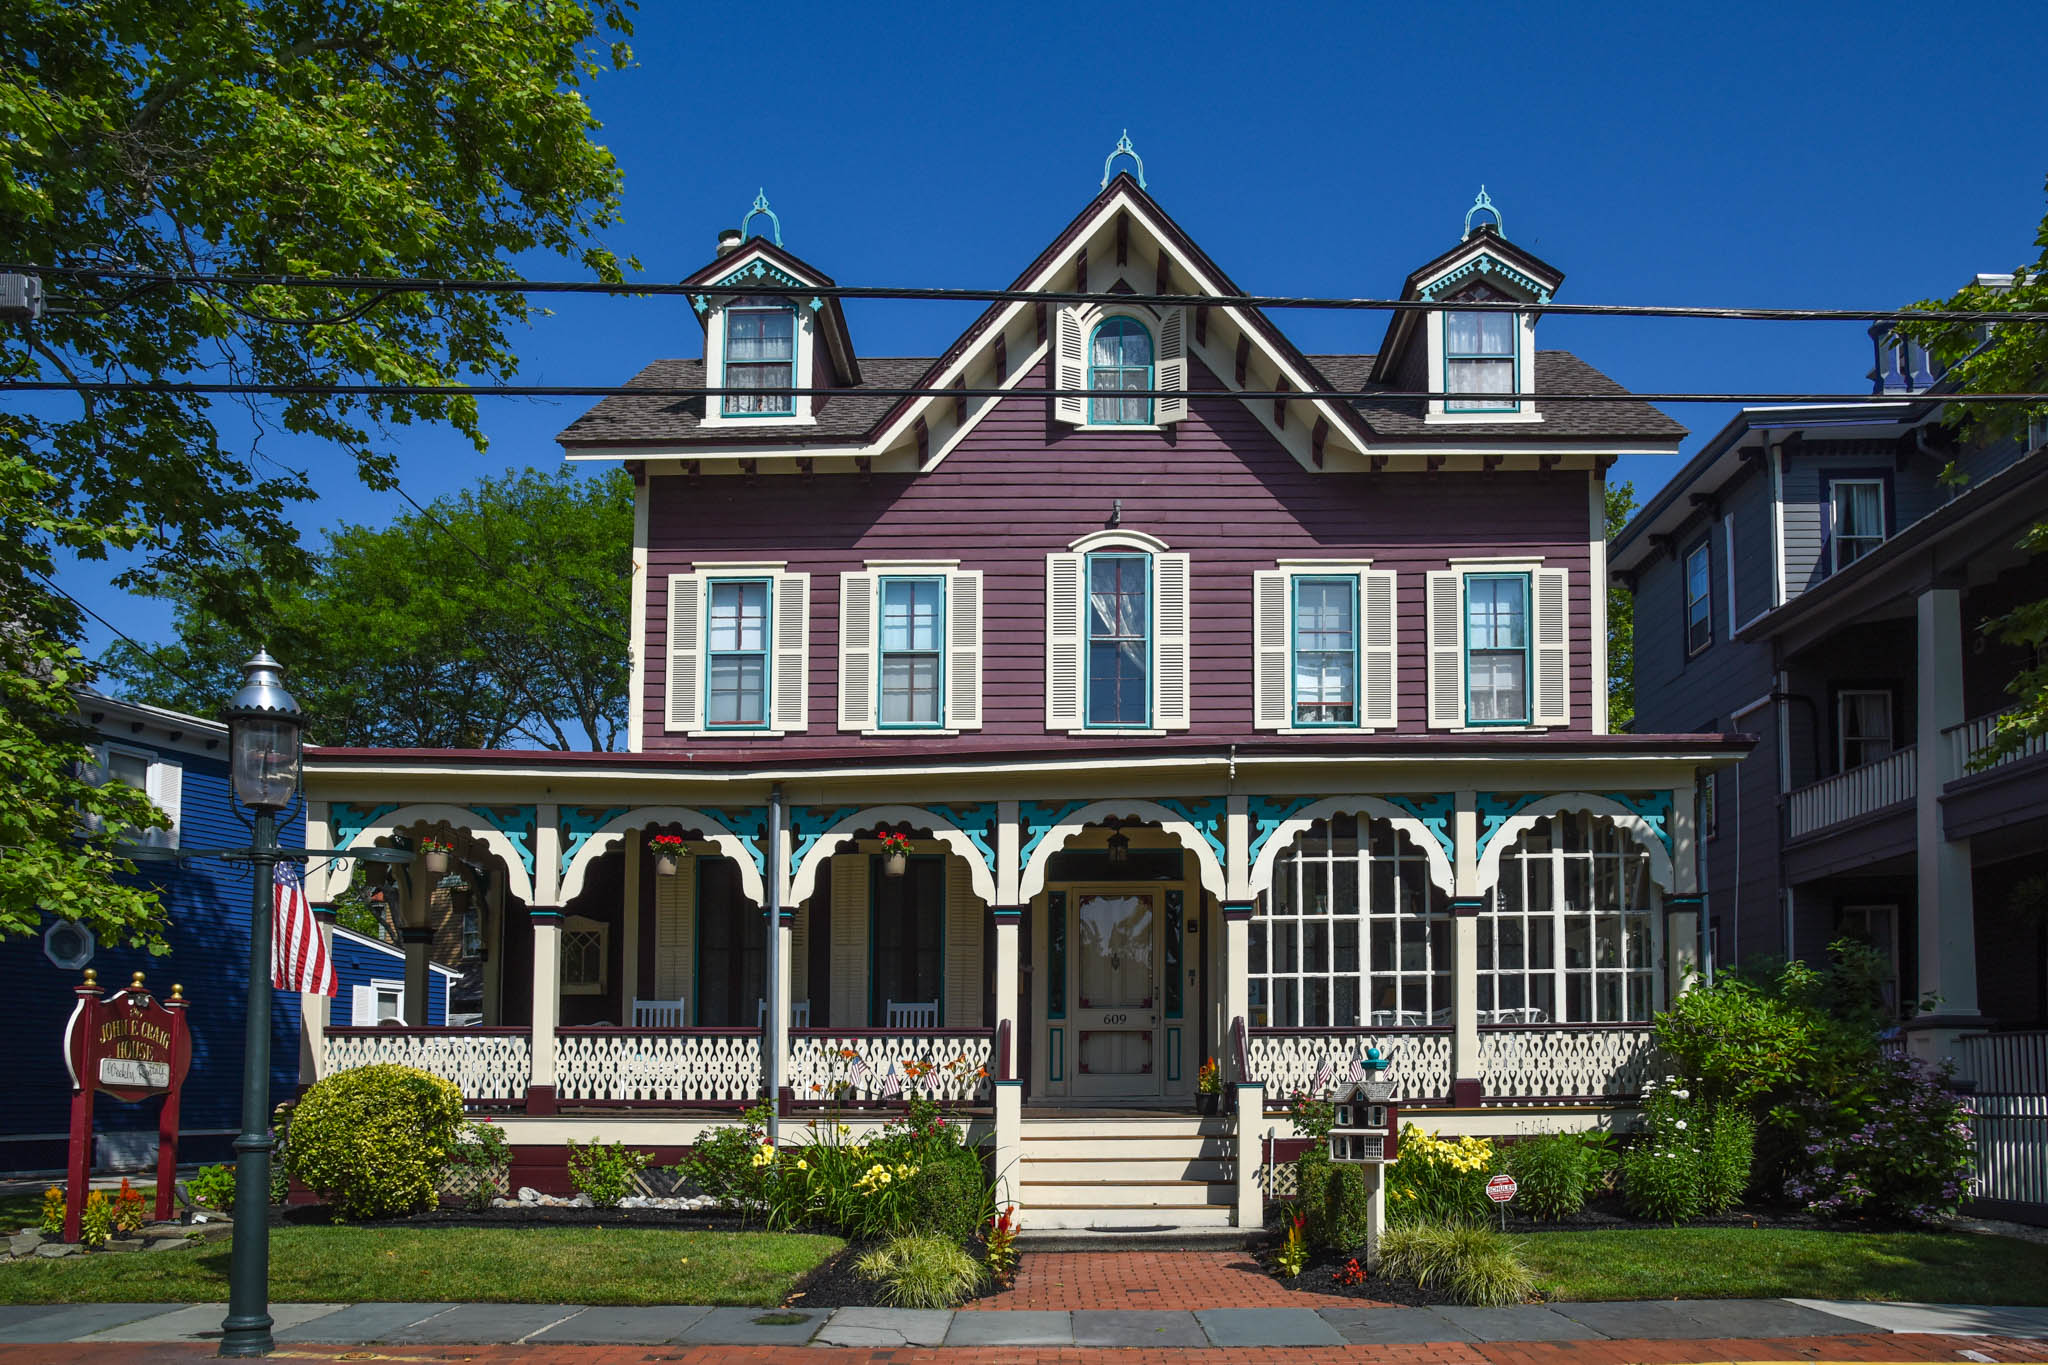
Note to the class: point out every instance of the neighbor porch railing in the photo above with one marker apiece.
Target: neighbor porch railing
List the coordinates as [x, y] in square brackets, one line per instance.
[2009, 1072]
[1288, 1059]
[955, 1065]
[1566, 1063]
[486, 1064]
[1889, 781]
[1973, 736]
[658, 1066]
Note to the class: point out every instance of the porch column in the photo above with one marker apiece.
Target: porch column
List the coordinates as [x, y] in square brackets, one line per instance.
[1009, 1089]
[1009, 919]
[1946, 896]
[1682, 906]
[779, 992]
[1251, 1153]
[313, 1009]
[1237, 958]
[547, 983]
[629, 928]
[1468, 1086]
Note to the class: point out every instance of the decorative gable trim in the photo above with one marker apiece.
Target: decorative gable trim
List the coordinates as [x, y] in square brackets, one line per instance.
[1485, 264]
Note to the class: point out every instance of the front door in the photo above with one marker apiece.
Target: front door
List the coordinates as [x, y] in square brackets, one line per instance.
[1116, 991]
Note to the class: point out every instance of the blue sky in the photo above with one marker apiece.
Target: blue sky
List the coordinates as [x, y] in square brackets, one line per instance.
[1823, 155]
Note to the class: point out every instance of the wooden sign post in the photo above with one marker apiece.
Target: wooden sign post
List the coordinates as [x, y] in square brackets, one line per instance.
[131, 1046]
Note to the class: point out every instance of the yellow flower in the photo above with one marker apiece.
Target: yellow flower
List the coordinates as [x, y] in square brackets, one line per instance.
[802, 1165]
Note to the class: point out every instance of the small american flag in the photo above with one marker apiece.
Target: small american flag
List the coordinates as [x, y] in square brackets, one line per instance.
[858, 1073]
[892, 1084]
[299, 953]
[1357, 1072]
[1324, 1071]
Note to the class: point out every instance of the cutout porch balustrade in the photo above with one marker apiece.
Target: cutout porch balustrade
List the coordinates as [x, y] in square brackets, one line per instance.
[1287, 1060]
[636, 1066]
[486, 1064]
[1572, 1062]
[960, 1063]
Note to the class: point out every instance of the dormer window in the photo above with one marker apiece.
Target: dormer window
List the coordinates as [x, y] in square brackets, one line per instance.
[760, 353]
[1120, 358]
[1479, 359]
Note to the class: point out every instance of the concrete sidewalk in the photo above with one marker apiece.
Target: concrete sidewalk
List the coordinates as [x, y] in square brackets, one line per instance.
[432, 1324]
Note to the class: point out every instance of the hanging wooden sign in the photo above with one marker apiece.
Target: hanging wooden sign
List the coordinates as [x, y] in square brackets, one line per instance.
[133, 1047]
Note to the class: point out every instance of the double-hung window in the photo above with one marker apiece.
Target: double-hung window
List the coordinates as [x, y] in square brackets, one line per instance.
[1856, 514]
[1699, 599]
[1863, 719]
[1496, 649]
[1119, 655]
[1325, 651]
[1120, 358]
[1479, 361]
[736, 640]
[912, 651]
[760, 353]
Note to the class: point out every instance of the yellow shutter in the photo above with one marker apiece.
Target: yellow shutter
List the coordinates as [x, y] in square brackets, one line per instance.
[963, 650]
[1270, 710]
[1171, 703]
[792, 662]
[1446, 611]
[675, 934]
[1379, 683]
[850, 940]
[685, 652]
[1552, 682]
[964, 918]
[857, 651]
[1063, 625]
[1069, 365]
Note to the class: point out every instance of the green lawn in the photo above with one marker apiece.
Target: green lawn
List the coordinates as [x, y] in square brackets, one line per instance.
[497, 1265]
[1757, 1263]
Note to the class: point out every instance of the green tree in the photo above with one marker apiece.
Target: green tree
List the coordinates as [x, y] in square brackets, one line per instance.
[494, 617]
[1621, 621]
[430, 138]
[2003, 358]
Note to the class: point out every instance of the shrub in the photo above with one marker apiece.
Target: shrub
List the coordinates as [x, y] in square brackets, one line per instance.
[1474, 1265]
[96, 1222]
[948, 1197]
[1313, 1118]
[373, 1140]
[1438, 1180]
[724, 1164]
[214, 1186]
[1345, 1209]
[1661, 1183]
[1694, 1159]
[922, 1270]
[605, 1170]
[1903, 1151]
[1556, 1172]
[479, 1164]
[50, 1219]
[1312, 1170]
[1725, 1158]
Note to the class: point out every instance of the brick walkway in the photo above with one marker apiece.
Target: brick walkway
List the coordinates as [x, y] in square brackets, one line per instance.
[1188, 1280]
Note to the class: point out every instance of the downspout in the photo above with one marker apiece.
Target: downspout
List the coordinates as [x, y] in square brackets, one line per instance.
[772, 1021]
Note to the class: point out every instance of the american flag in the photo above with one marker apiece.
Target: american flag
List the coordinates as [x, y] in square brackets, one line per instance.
[892, 1084]
[1357, 1072]
[857, 1074]
[1323, 1073]
[299, 954]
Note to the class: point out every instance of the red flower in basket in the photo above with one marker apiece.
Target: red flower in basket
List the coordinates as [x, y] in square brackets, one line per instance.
[892, 842]
[665, 843]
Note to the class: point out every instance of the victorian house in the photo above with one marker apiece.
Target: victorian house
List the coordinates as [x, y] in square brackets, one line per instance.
[1153, 692]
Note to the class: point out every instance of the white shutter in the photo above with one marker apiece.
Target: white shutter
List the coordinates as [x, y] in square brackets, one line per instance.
[1552, 683]
[362, 1006]
[1064, 609]
[166, 790]
[850, 940]
[964, 913]
[963, 650]
[800, 955]
[675, 933]
[857, 593]
[1378, 685]
[1070, 364]
[792, 659]
[1446, 610]
[1271, 654]
[685, 651]
[1170, 591]
[1172, 365]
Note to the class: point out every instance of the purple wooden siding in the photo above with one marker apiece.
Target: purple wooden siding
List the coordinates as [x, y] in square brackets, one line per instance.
[1021, 487]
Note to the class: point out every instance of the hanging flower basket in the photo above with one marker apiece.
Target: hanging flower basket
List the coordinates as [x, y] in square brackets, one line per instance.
[668, 851]
[434, 855]
[895, 854]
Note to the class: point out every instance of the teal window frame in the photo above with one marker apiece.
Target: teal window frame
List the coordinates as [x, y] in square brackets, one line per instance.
[1095, 419]
[725, 405]
[766, 653]
[1088, 641]
[1526, 649]
[1294, 651]
[877, 1003]
[1466, 404]
[937, 651]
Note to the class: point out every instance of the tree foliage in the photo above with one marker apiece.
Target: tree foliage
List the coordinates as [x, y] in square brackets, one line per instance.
[1621, 621]
[495, 617]
[417, 138]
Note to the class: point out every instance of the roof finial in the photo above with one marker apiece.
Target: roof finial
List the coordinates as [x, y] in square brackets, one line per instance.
[761, 206]
[1484, 203]
[1124, 148]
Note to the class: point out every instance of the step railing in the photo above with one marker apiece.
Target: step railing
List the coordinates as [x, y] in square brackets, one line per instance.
[1889, 781]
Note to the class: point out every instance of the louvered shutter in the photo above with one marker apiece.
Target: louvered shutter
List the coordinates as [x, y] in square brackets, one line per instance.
[1170, 592]
[857, 593]
[1070, 365]
[362, 1006]
[963, 650]
[1552, 688]
[166, 790]
[1378, 658]
[792, 659]
[1172, 366]
[1270, 664]
[1063, 626]
[850, 940]
[675, 934]
[685, 651]
[800, 956]
[1446, 609]
[963, 947]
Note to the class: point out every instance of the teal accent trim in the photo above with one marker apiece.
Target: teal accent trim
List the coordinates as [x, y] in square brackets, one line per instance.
[1205, 815]
[345, 821]
[882, 653]
[1088, 720]
[1055, 1054]
[759, 272]
[1056, 955]
[1151, 374]
[520, 824]
[1266, 813]
[701, 304]
[579, 825]
[977, 823]
[1038, 819]
[1465, 641]
[1175, 926]
[739, 819]
[1653, 806]
[766, 651]
[807, 825]
[1123, 148]
[1294, 586]
[1496, 809]
[760, 206]
[1484, 204]
[1485, 264]
[553, 912]
[1435, 812]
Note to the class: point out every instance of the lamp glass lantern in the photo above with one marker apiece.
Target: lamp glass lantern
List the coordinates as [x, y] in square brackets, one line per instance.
[264, 730]
[1119, 848]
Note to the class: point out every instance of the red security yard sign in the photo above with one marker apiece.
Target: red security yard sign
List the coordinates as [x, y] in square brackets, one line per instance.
[1501, 1188]
[130, 1046]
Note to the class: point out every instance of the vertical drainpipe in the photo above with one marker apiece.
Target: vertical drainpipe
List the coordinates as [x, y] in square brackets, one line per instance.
[772, 1022]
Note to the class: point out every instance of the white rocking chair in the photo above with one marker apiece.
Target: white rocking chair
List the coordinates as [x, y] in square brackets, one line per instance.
[913, 1014]
[799, 1013]
[661, 1013]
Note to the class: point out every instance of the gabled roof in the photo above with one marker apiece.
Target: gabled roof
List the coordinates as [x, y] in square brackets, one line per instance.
[1484, 254]
[773, 258]
[1556, 372]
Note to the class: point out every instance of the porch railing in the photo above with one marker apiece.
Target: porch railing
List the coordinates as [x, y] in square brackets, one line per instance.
[1859, 791]
[484, 1063]
[1288, 1059]
[956, 1065]
[1973, 736]
[2014, 1063]
[658, 1066]
[1563, 1063]
[2009, 1122]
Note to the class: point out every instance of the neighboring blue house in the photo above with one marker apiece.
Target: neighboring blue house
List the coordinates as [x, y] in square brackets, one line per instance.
[181, 761]
[373, 983]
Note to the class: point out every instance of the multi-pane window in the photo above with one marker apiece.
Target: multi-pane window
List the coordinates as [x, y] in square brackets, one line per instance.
[583, 957]
[1699, 599]
[907, 926]
[1326, 651]
[1479, 359]
[760, 353]
[1119, 358]
[1856, 507]
[472, 934]
[913, 626]
[1863, 719]
[1119, 645]
[130, 770]
[1354, 933]
[1496, 648]
[737, 652]
[1566, 936]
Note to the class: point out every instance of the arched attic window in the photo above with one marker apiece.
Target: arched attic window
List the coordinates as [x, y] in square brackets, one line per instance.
[1129, 350]
[760, 353]
[1120, 358]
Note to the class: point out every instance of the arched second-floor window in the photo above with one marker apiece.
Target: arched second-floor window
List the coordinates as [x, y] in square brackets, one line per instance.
[1119, 359]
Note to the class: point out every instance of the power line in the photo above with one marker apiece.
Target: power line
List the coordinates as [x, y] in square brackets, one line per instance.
[133, 643]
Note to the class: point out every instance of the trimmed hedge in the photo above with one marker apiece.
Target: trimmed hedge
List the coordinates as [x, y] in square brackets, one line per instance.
[372, 1141]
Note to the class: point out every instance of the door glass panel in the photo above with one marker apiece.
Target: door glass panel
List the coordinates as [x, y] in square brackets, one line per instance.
[1117, 970]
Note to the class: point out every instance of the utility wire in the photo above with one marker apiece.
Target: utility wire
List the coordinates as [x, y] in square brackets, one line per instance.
[133, 643]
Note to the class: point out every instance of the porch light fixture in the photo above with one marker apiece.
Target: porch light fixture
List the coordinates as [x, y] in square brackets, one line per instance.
[1119, 848]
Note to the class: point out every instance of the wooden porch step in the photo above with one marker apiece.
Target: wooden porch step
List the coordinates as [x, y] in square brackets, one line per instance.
[1080, 1169]
[1159, 1194]
[1133, 1218]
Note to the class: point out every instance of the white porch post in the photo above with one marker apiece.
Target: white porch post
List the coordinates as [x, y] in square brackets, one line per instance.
[1468, 1086]
[1237, 957]
[779, 1007]
[1251, 1118]
[1008, 913]
[629, 928]
[547, 982]
[1946, 894]
[1682, 906]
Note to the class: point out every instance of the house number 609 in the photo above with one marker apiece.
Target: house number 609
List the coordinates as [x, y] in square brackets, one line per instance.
[1116, 1018]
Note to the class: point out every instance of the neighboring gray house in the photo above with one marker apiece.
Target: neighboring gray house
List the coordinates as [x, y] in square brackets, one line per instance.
[1810, 579]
